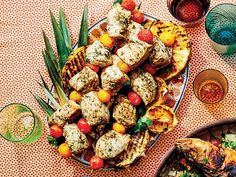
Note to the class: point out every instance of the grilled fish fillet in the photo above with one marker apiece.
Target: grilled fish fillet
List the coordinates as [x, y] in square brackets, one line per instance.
[117, 21]
[124, 112]
[76, 139]
[160, 55]
[144, 85]
[66, 113]
[93, 110]
[113, 79]
[111, 144]
[97, 54]
[134, 53]
[85, 81]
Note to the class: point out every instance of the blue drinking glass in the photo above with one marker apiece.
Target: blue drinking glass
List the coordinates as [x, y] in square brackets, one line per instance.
[221, 28]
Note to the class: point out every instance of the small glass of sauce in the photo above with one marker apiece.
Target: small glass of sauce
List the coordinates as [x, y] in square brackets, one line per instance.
[210, 86]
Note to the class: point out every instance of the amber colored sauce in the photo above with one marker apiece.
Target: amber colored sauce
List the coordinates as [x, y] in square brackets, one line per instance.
[211, 91]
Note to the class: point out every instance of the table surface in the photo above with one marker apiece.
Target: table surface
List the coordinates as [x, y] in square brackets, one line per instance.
[21, 43]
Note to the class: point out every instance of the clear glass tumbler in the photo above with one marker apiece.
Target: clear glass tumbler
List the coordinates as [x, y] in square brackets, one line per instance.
[189, 13]
[210, 86]
[221, 28]
[18, 123]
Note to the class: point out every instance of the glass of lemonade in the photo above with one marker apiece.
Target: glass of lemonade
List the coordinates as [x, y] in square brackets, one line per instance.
[210, 86]
[221, 28]
[18, 123]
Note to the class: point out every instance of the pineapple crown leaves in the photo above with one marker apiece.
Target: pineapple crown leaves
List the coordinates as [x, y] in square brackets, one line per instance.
[45, 106]
[64, 29]
[50, 51]
[62, 49]
[55, 78]
[83, 35]
[50, 96]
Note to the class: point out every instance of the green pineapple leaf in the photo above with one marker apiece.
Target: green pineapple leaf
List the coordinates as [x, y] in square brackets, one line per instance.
[46, 107]
[62, 50]
[44, 83]
[61, 94]
[83, 35]
[50, 96]
[64, 29]
[56, 78]
[50, 51]
[54, 75]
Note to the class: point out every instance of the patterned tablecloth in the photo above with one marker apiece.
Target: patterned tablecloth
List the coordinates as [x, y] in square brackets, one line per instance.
[21, 44]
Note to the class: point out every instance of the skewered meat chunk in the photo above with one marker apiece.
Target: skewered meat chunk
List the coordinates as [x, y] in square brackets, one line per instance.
[97, 54]
[134, 53]
[144, 85]
[160, 55]
[76, 139]
[97, 131]
[111, 144]
[85, 81]
[66, 113]
[212, 161]
[133, 30]
[93, 110]
[113, 79]
[124, 112]
[118, 19]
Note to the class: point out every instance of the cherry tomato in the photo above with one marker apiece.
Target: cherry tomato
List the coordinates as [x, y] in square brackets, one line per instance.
[137, 16]
[149, 68]
[146, 36]
[128, 4]
[119, 128]
[64, 150]
[183, 161]
[95, 68]
[215, 142]
[55, 131]
[104, 96]
[96, 162]
[134, 98]
[83, 125]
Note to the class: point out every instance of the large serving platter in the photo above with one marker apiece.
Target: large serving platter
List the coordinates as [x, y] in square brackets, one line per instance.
[179, 84]
[206, 133]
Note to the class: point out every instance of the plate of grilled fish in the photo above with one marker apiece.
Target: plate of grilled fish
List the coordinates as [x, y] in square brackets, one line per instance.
[117, 89]
[210, 151]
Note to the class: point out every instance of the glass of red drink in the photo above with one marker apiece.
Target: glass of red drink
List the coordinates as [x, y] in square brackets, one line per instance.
[210, 86]
[189, 12]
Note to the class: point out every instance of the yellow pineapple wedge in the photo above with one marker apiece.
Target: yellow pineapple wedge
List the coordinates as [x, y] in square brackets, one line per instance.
[74, 64]
[181, 47]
